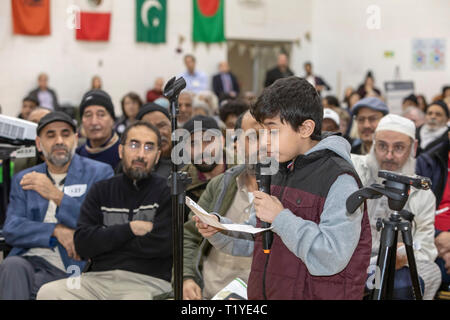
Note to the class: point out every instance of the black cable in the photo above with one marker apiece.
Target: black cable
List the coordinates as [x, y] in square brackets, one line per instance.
[264, 277]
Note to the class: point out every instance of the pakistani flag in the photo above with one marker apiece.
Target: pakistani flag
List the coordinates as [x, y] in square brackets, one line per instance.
[209, 20]
[151, 21]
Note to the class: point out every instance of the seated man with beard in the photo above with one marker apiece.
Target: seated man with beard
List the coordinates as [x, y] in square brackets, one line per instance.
[204, 165]
[43, 211]
[160, 118]
[229, 195]
[124, 229]
[435, 129]
[394, 149]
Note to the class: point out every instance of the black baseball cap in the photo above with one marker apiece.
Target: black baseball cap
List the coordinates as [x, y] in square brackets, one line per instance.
[207, 123]
[54, 117]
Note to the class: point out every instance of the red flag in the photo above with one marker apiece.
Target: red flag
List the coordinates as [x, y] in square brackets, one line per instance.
[95, 20]
[31, 17]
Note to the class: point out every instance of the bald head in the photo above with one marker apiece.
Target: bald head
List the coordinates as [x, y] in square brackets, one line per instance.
[224, 67]
[37, 114]
[283, 61]
[43, 81]
[159, 84]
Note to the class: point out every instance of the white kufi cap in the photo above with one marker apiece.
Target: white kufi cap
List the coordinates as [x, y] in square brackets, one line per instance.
[393, 122]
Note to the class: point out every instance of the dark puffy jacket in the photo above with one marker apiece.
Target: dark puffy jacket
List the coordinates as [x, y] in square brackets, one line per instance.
[433, 163]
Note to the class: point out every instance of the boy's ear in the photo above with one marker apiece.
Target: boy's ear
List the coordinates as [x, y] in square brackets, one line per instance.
[307, 128]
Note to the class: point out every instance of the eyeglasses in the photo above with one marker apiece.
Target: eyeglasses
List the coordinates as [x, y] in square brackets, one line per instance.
[135, 146]
[372, 119]
[398, 149]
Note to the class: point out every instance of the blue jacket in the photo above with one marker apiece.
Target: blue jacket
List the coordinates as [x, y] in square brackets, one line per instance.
[433, 163]
[24, 227]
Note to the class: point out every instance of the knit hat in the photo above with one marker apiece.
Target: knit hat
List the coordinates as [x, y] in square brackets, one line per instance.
[393, 122]
[371, 103]
[54, 117]
[441, 104]
[163, 102]
[207, 123]
[152, 107]
[97, 98]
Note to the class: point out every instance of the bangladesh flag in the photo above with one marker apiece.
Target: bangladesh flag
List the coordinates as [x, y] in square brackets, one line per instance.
[151, 21]
[209, 20]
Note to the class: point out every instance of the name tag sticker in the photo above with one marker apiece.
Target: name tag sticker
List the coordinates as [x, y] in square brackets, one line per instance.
[76, 190]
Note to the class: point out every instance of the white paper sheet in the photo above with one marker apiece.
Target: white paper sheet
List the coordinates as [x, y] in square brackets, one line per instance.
[235, 290]
[211, 220]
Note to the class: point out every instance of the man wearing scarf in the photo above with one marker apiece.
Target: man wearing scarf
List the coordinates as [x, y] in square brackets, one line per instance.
[97, 116]
[435, 129]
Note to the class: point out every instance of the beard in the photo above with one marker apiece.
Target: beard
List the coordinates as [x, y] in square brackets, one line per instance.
[59, 161]
[204, 168]
[409, 168]
[137, 173]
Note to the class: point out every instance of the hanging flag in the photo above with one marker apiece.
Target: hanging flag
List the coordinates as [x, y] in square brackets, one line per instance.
[209, 20]
[151, 16]
[94, 20]
[31, 17]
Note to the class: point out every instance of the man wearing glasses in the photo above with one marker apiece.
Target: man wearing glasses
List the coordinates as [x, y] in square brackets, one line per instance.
[394, 149]
[124, 229]
[367, 113]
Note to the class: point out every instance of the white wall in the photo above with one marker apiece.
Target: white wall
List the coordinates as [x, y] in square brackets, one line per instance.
[273, 20]
[343, 44]
[340, 43]
[125, 64]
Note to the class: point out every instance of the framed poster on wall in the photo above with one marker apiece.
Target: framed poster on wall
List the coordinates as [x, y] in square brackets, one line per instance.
[428, 54]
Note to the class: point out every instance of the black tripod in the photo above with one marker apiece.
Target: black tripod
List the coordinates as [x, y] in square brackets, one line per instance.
[396, 188]
[177, 183]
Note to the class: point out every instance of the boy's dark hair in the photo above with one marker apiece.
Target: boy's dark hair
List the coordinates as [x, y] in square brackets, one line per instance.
[124, 137]
[294, 100]
[236, 107]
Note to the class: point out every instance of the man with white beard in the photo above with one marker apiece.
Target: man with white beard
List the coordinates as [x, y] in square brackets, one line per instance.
[435, 129]
[394, 149]
[43, 211]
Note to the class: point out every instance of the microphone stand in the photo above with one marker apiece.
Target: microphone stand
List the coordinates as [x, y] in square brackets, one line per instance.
[177, 183]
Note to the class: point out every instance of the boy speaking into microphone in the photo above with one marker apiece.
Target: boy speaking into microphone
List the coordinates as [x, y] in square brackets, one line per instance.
[319, 250]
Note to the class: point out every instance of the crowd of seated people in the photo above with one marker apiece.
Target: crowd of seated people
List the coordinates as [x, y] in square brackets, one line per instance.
[95, 196]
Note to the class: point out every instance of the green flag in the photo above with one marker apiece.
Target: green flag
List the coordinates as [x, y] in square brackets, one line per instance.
[151, 21]
[209, 20]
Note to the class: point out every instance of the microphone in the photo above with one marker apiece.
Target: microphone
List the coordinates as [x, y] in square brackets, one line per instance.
[263, 181]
